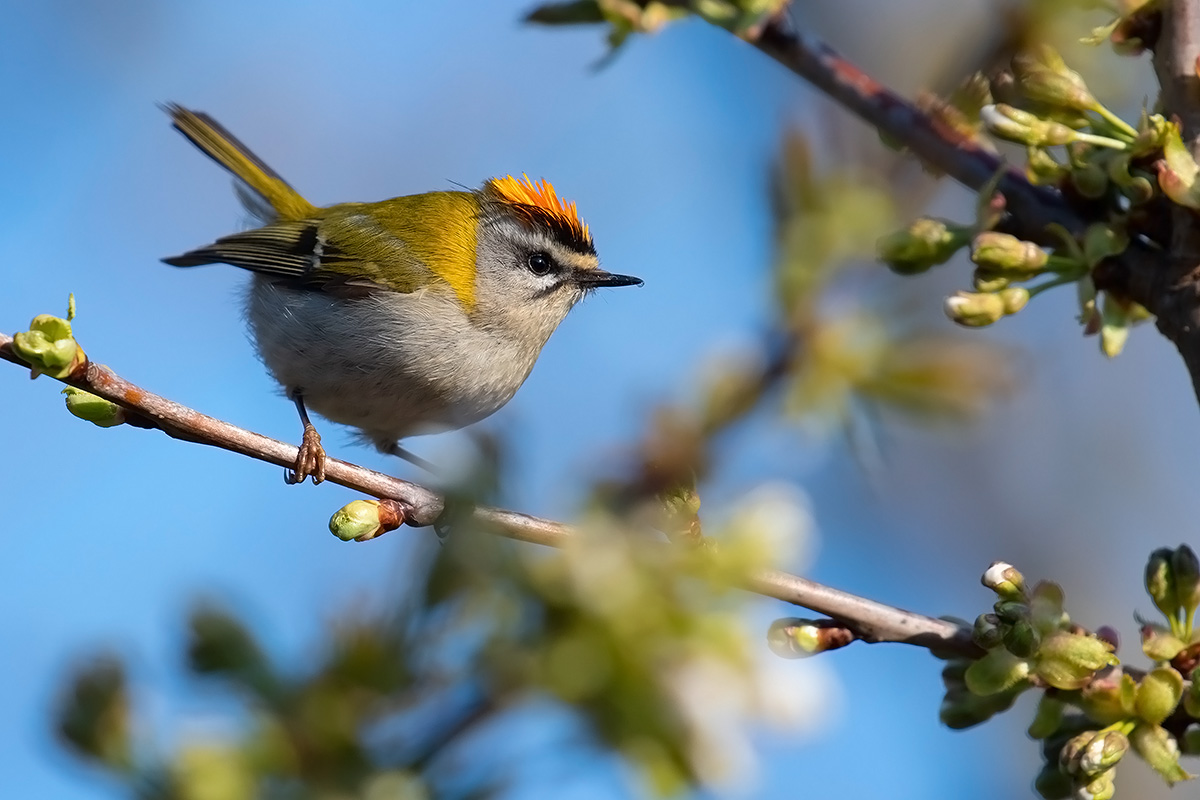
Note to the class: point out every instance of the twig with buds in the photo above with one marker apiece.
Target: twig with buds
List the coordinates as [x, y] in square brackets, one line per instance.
[403, 502]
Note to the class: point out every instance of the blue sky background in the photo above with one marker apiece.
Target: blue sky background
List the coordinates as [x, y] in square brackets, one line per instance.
[107, 534]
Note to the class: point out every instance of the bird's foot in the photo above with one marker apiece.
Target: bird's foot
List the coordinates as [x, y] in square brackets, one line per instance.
[310, 460]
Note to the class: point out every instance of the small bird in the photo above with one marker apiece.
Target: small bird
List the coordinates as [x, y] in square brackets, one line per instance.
[412, 315]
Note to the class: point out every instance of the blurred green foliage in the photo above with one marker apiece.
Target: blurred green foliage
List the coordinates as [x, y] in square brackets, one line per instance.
[643, 643]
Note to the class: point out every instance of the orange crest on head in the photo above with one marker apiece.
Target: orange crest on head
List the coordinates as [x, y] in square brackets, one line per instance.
[541, 203]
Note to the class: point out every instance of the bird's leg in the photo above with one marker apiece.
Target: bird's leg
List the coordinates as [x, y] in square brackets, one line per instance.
[394, 449]
[311, 458]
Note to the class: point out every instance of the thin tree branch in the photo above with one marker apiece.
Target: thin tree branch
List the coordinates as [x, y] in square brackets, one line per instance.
[870, 621]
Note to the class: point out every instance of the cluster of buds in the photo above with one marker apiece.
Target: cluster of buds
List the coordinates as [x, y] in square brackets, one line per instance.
[1056, 107]
[49, 348]
[1081, 764]
[1030, 640]
[1134, 709]
[1140, 713]
[1119, 174]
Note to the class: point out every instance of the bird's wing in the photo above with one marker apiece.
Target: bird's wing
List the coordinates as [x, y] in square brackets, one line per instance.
[350, 251]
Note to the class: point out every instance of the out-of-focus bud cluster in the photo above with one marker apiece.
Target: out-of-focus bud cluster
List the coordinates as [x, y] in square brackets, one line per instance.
[1030, 640]
[851, 356]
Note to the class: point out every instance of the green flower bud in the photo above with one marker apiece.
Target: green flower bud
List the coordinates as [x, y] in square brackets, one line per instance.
[1004, 254]
[362, 520]
[1191, 698]
[1139, 190]
[984, 281]
[1024, 128]
[48, 347]
[997, 671]
[1158, 695]
[1160, 645]
[355, 519]
[1186, 568]
[1022, 638]
[960, 709]
[798, 638]
[1042, 169]
[1044, 77]
[987, 632]
[1068, 757]
[1010, 611]
[1101, 787]
[1004, 579]
[1189, 744]
[1048, 718]
[1014, 298]
[1159, 749]
[95, 410]
[974, 310]
[1068, 660]
[924, 244]
[1102, 753]
[1160, 583]
[1090, 179]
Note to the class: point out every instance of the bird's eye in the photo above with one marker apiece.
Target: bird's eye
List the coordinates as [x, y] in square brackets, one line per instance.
[539, 264]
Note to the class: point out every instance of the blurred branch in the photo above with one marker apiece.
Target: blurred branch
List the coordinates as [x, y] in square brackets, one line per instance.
[1031, 208]
[869, 620]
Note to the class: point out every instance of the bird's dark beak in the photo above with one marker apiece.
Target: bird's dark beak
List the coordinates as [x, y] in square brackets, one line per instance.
[598, 278]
